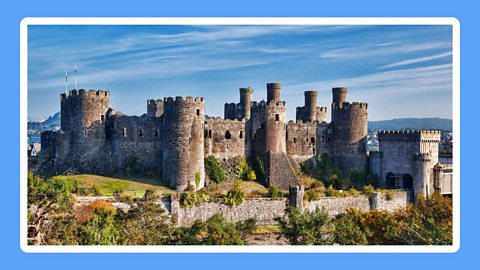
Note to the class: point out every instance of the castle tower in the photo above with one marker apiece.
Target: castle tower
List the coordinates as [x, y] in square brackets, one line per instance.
[339, 94]
[82, 110]
[349, 132]
[183, 149]
[276, 130]
[421, 182]
[273, 92]
[310, 105]
[245, 101]
[155, 107]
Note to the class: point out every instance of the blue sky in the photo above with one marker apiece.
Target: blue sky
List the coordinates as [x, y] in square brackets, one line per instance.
[401, 71]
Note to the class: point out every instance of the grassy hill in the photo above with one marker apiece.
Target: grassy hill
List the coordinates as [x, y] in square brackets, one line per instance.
[89, 184]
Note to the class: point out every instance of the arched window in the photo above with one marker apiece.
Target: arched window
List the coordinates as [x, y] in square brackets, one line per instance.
[241, 134]
[228, 136]
[140, 132]
[277, 117]
[198, 111]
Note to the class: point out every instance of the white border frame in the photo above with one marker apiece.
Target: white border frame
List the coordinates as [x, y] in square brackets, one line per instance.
[239, 21]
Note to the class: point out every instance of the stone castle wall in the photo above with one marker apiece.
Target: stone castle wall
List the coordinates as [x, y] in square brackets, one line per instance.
[224, 139]
[264, 210]
[301, 139]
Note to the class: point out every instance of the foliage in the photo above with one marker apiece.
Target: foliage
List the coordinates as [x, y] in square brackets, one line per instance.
[307, 228]
[389, 195]
[326, 171]
[235, 196]
[146, 223]
[197, 180]
[100, 228]
[259, 168]
[131, 166]
[214, 171]
[311, 195]
[189, 199]
[51, 220]
[273, 192]
[245, 170]
[347, 232]
[368, 191]
[215, 231]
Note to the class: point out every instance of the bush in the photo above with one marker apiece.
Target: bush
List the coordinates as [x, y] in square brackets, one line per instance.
[273, 192]
[347, 232]
[368, 191]
[214, 171]
[235, 196]
[95, 190]
[389, 195]
[245, 171]
[197, 179]
[311, 195]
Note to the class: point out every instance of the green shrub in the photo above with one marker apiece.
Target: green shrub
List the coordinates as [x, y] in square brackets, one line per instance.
[368, 191]
[311, 195]
[214, 171]
[389, 195]
[118, 192]
[95, 190]
[188, 199]
[353, 192]
[197, 179]
[245, 171]
[273, 192]
[235, 196]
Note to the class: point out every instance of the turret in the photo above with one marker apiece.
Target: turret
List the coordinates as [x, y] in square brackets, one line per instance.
[339, 94]
[246, 100]
[276, 130]
[310, 105]
[155, 107]
[273, 92]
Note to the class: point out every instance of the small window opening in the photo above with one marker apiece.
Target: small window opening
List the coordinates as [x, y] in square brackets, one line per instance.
[156, 133]
[312, 140]
[198, 111]
[227, 135]
[205, 134]
[210, 133]
[140, 132]
[102, 117]
[124, 132]
[241, 134]
[294, 140]
[85, 133]
[277, 117]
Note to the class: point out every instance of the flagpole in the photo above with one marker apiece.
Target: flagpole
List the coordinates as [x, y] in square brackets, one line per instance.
[66, 81]
[75, 76]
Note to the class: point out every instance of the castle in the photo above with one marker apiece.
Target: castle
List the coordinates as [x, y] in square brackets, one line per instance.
[172, 139]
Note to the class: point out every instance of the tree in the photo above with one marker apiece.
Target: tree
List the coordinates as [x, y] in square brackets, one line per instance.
[307, 228]
[100, 228]
[347, 232]
[51, 220]
[146, 223]
[215, 231]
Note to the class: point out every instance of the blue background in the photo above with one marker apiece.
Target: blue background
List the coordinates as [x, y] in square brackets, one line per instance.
[11, 15]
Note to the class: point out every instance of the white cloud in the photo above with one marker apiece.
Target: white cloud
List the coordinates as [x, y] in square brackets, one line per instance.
[417, 60]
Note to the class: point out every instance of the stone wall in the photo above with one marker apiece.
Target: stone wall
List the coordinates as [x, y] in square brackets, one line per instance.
[263, 210]
[224, 139]
[301, 139]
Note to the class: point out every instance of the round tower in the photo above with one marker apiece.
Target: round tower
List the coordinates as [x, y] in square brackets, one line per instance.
[246, 100]
[273, 92]
[339, 94]
[183, 149]
[349, 133]
[82, 110]
[421, 181]
[311, 105]
[276, 129]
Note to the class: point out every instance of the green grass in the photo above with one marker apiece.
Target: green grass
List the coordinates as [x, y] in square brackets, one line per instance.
[108, 185]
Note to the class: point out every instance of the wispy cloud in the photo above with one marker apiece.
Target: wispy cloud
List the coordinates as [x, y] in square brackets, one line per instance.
[417, 60]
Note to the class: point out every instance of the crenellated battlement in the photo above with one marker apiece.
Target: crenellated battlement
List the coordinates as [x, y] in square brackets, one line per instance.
[409, 135]
[154, 102]
[178, 100]
[82, 93]
[345, 106]
[422, 157]
[276, 105]
[221, 120]
[246, 90]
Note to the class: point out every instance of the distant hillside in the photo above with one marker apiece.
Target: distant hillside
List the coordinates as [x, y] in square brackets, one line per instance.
[411, 123]
[36, 128]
